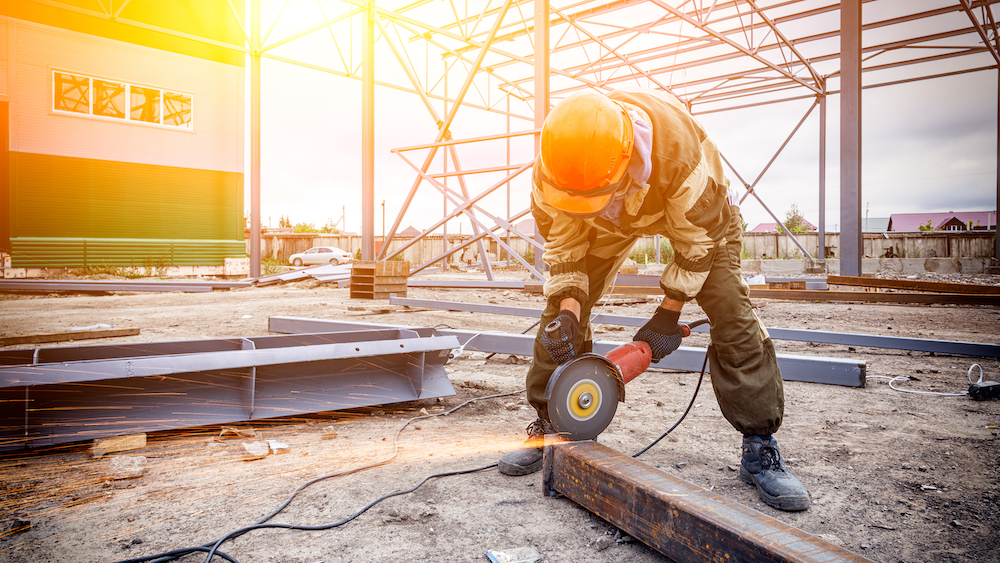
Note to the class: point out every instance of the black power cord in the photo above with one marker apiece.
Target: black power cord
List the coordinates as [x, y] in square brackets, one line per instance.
[212, 548]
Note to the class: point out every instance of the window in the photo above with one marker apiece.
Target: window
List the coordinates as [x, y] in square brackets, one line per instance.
[113, 99]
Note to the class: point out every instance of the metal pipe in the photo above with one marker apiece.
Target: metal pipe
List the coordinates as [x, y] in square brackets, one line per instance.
[851, 249]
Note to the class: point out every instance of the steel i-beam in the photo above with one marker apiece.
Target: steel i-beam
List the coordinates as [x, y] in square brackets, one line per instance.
[680, 520]
[60, 395]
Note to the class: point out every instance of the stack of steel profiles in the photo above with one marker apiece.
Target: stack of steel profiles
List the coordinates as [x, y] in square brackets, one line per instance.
[823, 337]
[61, 395]
[323, 272]
[186, 286]
[812, 369]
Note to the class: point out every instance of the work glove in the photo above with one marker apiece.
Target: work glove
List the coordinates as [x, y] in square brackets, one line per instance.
[558, 337]
[661, 332]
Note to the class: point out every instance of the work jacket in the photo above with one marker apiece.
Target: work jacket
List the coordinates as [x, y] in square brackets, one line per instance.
[685, 199]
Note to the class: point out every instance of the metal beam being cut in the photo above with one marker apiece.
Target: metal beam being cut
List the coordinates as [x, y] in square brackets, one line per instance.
[680, 520]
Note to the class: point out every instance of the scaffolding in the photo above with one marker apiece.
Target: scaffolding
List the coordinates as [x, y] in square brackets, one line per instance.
[513, 58]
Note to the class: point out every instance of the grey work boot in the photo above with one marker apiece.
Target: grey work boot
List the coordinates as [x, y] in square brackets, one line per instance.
[528, 459]
[762, 466]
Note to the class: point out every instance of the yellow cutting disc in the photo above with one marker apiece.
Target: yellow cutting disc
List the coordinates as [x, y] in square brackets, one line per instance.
[583, 397]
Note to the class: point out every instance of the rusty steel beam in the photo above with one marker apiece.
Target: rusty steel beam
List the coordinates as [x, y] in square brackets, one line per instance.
[915, 285]
[680, 520]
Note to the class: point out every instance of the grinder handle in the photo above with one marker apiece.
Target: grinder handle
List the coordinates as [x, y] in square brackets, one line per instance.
[632, 359]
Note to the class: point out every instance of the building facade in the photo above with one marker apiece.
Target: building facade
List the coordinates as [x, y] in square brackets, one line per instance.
[123, 133]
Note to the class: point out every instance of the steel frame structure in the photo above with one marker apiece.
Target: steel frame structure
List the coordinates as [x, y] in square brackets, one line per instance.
[61, 395]
[715, 55]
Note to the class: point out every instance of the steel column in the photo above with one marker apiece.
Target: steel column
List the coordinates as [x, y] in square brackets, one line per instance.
[542, 72]
[680, 520]
[255, 138]
[368, 133]
[821, 250]
[851, 248]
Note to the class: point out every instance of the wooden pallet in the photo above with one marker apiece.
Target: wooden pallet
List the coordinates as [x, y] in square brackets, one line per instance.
[378, 279]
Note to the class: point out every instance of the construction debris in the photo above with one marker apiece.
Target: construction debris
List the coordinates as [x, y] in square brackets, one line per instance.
[127, 467]
[255, 450]
[102, 446]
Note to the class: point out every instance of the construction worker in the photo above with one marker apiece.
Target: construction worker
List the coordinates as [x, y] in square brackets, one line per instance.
[630, 163]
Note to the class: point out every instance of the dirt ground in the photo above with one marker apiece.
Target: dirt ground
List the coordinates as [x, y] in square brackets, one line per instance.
[894, 476]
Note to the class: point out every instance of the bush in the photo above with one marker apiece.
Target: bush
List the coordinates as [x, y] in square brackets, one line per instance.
[270, 265]
[644, 252]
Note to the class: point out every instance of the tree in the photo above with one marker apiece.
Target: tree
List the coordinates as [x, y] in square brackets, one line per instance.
[794, 220]
[331, 227]
[284, 222]
[305, 228]
[926, 226]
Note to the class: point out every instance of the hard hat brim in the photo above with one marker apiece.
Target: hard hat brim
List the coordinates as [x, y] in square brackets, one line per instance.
[575, 204]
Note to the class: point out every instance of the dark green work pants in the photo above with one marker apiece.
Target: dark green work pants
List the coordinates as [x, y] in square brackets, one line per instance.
[742, 361]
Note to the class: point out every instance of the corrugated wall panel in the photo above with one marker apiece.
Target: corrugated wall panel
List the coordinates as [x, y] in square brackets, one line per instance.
[216, 143]
[151, 254]
[55, 196]
[205, 18]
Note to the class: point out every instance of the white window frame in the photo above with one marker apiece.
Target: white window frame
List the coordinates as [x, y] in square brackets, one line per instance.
[128, 102]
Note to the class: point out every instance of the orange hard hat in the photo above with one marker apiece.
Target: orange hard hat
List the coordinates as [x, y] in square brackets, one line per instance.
[585, 148]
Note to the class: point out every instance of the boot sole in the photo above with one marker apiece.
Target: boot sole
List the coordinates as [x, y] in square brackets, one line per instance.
[518, 470]
[789, 504]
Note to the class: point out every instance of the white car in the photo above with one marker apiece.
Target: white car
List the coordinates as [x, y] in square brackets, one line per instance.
[321, 255]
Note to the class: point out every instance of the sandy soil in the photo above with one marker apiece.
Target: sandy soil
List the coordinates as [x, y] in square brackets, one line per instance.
[895, 477]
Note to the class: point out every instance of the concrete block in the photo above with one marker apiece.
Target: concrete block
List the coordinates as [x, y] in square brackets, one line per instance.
[943, 265]
[127, 467]
[236, 267]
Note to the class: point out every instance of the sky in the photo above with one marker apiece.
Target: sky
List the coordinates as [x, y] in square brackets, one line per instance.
[927, 146]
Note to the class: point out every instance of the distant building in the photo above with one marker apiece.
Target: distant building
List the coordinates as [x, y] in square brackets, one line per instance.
[771, 227]
[950, 221]
[408, 232]
[125, 134]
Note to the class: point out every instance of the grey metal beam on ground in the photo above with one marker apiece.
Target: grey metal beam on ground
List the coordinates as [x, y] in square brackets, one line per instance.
[797, 335]
[187, 286]
[793, 368]
[466, 284]
[60, 395]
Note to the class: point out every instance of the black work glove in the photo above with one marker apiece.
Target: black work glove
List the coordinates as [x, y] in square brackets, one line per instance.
[661, 332]
[558, 337]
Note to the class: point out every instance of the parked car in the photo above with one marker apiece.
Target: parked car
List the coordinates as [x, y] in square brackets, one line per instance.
[320, 255]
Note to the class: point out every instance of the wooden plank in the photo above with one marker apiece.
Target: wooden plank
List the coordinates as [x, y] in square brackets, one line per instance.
[68, 336]
[680, 520]
[915, 285]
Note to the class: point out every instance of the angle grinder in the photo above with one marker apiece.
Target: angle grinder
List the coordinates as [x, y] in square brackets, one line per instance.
[583, 393]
